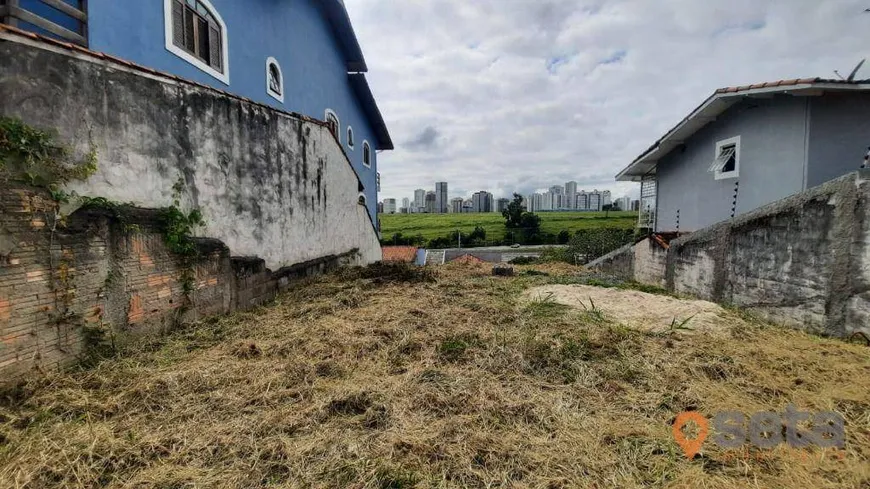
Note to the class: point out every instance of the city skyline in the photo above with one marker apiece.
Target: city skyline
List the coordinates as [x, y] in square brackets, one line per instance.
[561, 197]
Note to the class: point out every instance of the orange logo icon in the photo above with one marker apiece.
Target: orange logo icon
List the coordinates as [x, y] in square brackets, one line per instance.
[691, 447]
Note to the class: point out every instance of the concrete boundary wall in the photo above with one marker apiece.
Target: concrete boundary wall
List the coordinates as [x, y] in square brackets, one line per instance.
[803, 261]
[278, 194]
[268, 183]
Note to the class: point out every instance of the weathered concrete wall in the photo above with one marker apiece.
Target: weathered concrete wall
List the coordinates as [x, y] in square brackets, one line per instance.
[59, 280]
[269, 184]
[802, 261]
[619, 262]
[649, 261]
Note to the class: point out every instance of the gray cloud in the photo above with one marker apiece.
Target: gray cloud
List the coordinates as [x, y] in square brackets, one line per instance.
[426, 140]
[526, 94]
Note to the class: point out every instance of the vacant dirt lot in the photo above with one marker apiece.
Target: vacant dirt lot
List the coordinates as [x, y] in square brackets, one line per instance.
[387, 379]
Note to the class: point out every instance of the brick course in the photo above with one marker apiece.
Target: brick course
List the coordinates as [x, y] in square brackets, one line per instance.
[91, 272]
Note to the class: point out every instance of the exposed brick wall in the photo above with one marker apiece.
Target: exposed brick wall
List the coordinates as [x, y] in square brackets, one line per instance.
[88, 270]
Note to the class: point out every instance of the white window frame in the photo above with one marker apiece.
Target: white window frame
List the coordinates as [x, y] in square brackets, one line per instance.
[720, 175]
[326, 115]
[350, 137]
[181, 53]
[275, 95]
[365, 145]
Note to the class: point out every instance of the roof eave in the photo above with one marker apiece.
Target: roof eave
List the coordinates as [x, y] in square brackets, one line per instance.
[338, 18]
[708, 111]
[364, 94]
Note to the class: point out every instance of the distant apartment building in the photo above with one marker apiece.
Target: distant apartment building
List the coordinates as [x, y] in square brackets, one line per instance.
[624, 203]
[456, 205]
[482, 202]
[594, 201]
[571, 195]
[419, 200]
[380, 208]
[534, 202]
[431, 200]
[501, 205]
[546, 202]
[389, 206]
[406, 206]
[605, 199]
[467, 206]
[581, 202]
[441, 198]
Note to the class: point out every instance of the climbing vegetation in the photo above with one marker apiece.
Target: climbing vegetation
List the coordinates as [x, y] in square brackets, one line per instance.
[32, 155]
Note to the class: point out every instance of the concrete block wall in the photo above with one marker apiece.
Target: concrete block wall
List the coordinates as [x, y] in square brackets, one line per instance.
[803, 261]
[90, 271]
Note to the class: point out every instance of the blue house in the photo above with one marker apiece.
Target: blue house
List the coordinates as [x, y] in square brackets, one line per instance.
[295, 55]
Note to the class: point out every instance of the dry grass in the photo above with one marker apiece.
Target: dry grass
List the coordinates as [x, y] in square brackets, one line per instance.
[357, 380]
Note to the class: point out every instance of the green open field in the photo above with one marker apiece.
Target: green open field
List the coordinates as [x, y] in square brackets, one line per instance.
[438, 225]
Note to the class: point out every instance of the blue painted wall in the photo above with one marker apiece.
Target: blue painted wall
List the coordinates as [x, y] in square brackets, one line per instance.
[294, 32]
[773, 135]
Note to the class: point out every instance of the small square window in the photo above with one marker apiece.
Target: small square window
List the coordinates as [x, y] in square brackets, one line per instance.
[726, 162]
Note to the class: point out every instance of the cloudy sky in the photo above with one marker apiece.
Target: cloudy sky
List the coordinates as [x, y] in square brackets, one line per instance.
[519, 95]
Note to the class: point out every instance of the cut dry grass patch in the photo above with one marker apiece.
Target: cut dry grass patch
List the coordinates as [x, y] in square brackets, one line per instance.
[395, 379]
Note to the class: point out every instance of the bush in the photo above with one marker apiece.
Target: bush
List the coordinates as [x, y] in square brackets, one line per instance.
[589, 244]
[523, 260]
[382, 272]
[556, 254]
[399, 239]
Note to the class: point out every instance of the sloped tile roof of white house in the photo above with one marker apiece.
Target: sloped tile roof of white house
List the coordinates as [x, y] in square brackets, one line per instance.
[715, 105]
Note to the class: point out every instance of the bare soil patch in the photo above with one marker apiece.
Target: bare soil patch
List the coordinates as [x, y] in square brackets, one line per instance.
[640, 310]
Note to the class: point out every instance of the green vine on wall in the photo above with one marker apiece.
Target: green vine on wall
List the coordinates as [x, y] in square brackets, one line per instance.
[32, 155]
[178, 229]
[119, 212]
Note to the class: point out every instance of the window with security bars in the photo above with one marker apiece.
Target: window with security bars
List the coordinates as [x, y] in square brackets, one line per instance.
[195, 30]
